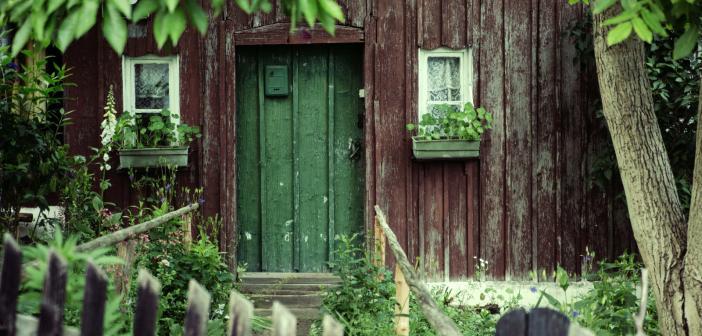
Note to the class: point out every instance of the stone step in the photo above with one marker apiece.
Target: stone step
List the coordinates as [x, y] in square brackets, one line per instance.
[300, 313]
[289, 278]
[255, 288]
[290, 301]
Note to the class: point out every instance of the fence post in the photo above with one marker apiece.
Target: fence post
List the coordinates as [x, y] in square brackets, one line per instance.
[240, 313]
[331, 327]
[54, 297]
[94, 297]
[148, 291]
[284, 322]
[9, 285]
[198, 312]
[378, 244]
[402, 308]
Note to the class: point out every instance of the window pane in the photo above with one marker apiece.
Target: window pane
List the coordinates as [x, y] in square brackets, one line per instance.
[444, 78]
[151, 86]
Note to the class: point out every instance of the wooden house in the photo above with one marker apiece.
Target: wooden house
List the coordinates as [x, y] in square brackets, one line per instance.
[290, 167]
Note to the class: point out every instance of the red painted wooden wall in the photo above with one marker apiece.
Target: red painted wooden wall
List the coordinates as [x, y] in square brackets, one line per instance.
[525, 205]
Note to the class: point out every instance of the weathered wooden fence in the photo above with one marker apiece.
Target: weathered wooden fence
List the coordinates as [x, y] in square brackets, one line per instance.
[50, 320]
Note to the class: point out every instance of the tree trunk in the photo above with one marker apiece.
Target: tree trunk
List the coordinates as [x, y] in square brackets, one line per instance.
[693, 258]
[656, 216]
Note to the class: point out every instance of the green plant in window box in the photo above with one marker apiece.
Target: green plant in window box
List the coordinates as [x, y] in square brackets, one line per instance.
[154, 140]
[447, 133]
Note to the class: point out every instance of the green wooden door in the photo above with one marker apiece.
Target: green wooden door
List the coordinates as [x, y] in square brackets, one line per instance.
[299, 155]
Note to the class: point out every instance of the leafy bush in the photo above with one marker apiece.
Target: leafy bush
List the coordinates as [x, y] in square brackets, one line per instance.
[33, 160]
[445, 121]
[365, 300]
[168, 256]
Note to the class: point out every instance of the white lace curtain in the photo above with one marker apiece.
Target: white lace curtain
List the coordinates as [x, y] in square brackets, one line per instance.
[444, 79]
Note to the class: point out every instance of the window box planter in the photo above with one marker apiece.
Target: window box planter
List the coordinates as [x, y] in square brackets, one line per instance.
[153, 157]
[445, 149]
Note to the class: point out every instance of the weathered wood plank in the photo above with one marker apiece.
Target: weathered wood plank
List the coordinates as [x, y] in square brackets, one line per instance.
[456, 233]
[9, 284]
[492, 153]
[545, 141]
[472, 214]
[146, 312]
[411, 88]
[518, 135]
[370, 72]
[453, 23]
[279, 33]
[572, 127]
[284, 322]
[429, 14]
[433, 209]
[240, 314]
[53, 297]
[198, 311]
[393, 147]
[330, 327]
[228, 189]
[94, 300]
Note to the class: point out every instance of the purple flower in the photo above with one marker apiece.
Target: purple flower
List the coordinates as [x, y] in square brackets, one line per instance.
[575, 313]
[131, 177]
[168, 187]
[201, 200]
[163, 200]
[13, 66]
[533, 289]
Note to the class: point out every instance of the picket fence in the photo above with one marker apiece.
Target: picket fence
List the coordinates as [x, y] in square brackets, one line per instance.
[50, 320]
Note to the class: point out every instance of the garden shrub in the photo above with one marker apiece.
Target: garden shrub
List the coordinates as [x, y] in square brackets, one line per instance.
[168, 256]
[365, 300]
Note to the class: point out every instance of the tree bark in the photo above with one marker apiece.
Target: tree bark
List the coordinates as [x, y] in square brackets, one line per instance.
[656, 216]
[693, 258]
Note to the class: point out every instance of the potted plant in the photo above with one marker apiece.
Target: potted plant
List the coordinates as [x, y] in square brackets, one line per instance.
[154, 140]
[447, 133]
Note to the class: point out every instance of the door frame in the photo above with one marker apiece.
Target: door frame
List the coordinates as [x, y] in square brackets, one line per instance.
[279, 34]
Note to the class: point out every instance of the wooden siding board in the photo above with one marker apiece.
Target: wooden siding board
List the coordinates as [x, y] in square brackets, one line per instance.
[472, 215]
[411, 57]
[572, 164]
[545, 141]
[370, 115]
[433, 228]
[518, 138]
[492, 154]
[456, 208]
[228, 233]
[209, 159]
[430, 13]
[393, 143]
[453, 23]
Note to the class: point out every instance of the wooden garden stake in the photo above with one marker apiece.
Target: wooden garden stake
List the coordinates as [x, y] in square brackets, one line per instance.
[379, 244]
[402, 291]
[331, 327]
[284, 322]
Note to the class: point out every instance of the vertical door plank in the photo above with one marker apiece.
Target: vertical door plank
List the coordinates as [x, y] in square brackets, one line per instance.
[348, 156]
[277, 169]
[518, 138]
[492, 153]
[248, 159]
[313, 135]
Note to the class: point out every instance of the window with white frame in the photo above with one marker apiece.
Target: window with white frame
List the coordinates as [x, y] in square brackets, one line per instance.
[445, 77]
[150, 84]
